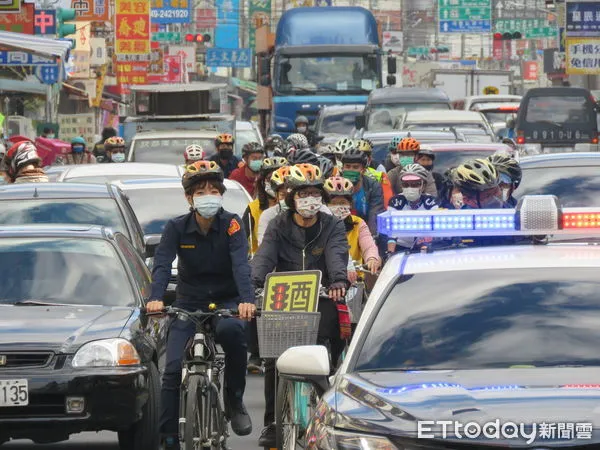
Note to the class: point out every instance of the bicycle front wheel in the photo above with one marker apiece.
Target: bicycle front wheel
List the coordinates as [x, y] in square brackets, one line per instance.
[289, 427]
[194, 411]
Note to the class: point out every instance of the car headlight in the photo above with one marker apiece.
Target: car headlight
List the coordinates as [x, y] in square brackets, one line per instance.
[331, 439]
[106, 353]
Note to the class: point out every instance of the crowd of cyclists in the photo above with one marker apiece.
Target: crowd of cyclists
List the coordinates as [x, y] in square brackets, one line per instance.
[313, 208]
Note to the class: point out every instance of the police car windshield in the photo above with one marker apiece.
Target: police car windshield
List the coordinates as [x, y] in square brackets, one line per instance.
[86, 211]
[154, 207]
[506, 317]
[577, 186]
[67, 271]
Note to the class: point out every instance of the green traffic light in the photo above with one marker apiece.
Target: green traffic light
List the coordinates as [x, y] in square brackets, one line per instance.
[64, 15]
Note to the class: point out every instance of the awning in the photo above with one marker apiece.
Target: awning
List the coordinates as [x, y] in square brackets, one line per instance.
[28, 87]
[34, 44]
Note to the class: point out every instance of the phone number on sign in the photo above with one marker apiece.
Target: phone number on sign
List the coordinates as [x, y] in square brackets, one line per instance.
[170, 13]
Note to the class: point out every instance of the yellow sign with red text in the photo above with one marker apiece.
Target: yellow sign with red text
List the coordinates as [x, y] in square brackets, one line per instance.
[132, 25]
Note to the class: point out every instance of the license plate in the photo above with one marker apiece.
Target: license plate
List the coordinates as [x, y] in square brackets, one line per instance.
[14, 393]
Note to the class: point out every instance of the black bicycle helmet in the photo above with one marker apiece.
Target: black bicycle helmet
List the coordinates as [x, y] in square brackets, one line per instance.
[252, 147]
[425, 152]
[304, 156]
[354, 155]
[507, 165]
[201, 171]
[326, 166]
[298, 140]
[476, 175]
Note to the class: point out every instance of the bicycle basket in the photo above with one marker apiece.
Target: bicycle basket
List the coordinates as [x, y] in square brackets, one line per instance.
[280, 330]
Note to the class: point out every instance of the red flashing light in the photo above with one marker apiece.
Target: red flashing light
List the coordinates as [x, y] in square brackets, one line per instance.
[508, 108]
[520, 139]
[581, 220]
[189, 38]
[497, 36]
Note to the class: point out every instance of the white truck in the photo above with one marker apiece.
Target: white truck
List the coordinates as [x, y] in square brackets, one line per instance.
[459, 84]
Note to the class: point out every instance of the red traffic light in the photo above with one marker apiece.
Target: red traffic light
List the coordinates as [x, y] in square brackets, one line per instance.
[200, 38]
[189, 38]
[497, 36]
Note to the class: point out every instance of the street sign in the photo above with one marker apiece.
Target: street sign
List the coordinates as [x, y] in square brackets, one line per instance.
[22, 59]
[171, 11]
[529, 28]
[465, 16]
[229, 57]
[583, 19]
[173, 37]
[540, 33]
[491, 90]
[583, 56]
[48, 74]
[44, 21]
[418, 51]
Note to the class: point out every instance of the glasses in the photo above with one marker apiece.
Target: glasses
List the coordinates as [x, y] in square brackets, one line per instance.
[306, 194]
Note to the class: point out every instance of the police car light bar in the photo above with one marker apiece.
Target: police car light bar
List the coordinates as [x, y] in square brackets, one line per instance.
[534, 215]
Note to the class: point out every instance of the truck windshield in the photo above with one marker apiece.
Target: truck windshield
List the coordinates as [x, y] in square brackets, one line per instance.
[348, 74]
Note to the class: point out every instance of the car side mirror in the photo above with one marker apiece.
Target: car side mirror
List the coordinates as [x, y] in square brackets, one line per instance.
[359, 122]
[264, 64]
[306, 363]
[151, 243]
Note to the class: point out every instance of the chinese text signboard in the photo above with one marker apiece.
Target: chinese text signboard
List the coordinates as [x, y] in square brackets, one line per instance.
[129, 73]
[530, 70]
[583, 19]
[73, 125]
[83, 37]
[583, 56]
[44, 21]
[260, 14]
[90, 10]
[292, 291]
[10, 6]
[226, 57]
[132, 27]
[156, 62]
[19, 22]
[23, 59]
[205, 19]
[171, 11]
[171, 70]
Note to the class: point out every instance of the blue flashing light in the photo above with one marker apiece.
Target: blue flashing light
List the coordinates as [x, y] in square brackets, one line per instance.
[495, 222]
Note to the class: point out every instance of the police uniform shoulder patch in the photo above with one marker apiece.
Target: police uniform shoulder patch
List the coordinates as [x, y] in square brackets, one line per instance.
[234, 227]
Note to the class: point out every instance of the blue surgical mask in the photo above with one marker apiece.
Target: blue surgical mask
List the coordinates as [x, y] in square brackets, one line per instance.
[255, 165]
[118, 157]
[51, 136]
[406, 160]
[78, 148]
[208, 205]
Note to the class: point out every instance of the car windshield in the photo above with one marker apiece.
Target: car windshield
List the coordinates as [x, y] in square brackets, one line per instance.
[62, 270]
[168, 151]
[569, 110]
[506, 317]
[446, 160]
[382, 116]
[102, 179]
[154, 207]
[243, 137]
[341, 123]
[333, 74]
[577, 186]
[499, 116]
[464, 127]
[72, 211]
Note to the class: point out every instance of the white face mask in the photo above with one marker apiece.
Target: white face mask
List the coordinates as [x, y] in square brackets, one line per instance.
[340, 211]
[301, 129]
[308, 207]
[283, 205]
[411, 194]
[457, 200]
[505, 194]
[395, 158]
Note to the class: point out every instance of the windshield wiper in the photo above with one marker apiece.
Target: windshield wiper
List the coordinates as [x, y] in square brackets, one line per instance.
[550, 122]
[38, 303]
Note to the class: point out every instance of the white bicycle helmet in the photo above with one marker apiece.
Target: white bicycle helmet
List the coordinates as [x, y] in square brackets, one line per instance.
[193, 153]
[298, 140]
[342, 145]
[414, 170]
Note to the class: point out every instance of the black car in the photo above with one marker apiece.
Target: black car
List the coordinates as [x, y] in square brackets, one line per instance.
[75, 353]
[77, 204]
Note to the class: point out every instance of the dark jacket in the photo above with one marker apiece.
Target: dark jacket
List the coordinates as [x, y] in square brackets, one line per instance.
[388, 164]
[231, 165]
[211, 268]
[374, 198]
[283, 250]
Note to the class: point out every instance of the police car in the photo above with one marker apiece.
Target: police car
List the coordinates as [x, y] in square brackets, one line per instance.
[502, 340]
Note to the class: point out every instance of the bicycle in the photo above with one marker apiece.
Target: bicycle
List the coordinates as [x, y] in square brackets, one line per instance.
[203, 422]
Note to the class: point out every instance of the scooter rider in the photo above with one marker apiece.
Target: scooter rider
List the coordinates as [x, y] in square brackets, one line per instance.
[79, 154]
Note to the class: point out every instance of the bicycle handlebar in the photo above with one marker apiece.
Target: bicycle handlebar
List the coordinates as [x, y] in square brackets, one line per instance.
[173, 311]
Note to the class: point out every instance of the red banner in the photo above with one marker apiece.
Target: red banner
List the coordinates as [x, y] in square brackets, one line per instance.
[206, 19]
[530, 70]
[132, 27]
[129, 73]
[21, 22]
[173, 71]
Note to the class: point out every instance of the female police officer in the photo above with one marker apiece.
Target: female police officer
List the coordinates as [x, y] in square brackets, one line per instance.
[212, 250]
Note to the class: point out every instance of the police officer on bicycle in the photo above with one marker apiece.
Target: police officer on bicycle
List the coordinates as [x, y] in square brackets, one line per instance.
[212, 251]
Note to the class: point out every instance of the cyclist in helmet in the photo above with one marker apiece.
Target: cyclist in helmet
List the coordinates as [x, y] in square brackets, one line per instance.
[298, 141]
[304, 156]
[23, 164]
[327, 151]
[79, 154]
[212, 251]
[278, 185]
[362, 245]
[368, 195]
[302, 238]
[266, 197]
[274, 146]
[340, 148]
[114, 148]
[450, 196]
[510, 176]
[327, 168]
[301, 123]
[479, 183]
[366, 146]
[409, 153]
[252, 154]
[392, 160]
[98, 151]
[193, 153]
[412, 197]
[224, 157]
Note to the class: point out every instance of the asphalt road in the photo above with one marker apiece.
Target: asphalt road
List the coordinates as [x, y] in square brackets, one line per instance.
[108, 441]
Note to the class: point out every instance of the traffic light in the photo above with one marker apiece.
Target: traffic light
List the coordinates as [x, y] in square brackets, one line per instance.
[198, 38]
[64, 15]
[435, 50]
[508, 36]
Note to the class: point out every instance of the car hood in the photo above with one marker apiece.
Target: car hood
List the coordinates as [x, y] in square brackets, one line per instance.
[61, 329]
[392, 403]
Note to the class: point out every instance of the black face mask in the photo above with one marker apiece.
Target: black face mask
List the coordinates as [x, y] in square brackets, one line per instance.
[225, 154]
[430, 168]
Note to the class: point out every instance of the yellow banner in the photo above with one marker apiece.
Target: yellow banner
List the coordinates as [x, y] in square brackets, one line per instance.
[95, 102]
[583, 56]
[292, 291]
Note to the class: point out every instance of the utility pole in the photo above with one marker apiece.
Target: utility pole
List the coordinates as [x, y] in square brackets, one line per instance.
[436, 21]
[463, 42]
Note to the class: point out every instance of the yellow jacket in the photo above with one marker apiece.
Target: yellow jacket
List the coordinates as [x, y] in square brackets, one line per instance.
[255, 212]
